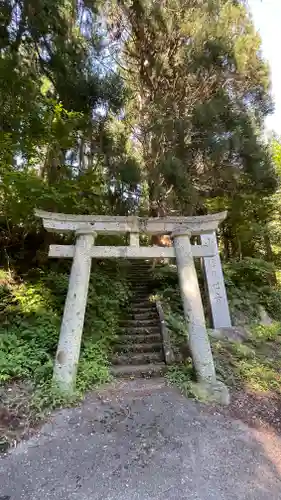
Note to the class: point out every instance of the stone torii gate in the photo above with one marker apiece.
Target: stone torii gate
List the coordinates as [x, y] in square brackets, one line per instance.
[86, 228]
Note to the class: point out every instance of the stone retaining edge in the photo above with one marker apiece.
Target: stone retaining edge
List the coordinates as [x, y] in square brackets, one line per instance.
[165, 334]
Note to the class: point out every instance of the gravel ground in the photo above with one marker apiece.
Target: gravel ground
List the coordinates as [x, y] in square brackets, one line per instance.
[261, 410]
[143, 440]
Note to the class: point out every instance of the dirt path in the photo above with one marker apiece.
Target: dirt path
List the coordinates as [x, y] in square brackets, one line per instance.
[143, 440]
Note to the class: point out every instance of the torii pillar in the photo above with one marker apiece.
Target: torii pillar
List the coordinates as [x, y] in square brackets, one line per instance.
[68, 350]
[208, 387]
[193, 308]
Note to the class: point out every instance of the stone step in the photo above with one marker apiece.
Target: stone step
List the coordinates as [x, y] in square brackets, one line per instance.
[140, 287]
[137, 264]
[139, 358]
[146, 322]
[141, 304]
[142, 274]
[146, 309]
[140, 330]
[140, 280]
[134, 348]
[139, 339]
[150, 314]
[141, 294]
[140, 299]
[138, 371]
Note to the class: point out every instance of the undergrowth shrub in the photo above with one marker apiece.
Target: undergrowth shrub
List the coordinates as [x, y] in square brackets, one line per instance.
[28, 331]
[182, 376]
[30, 315]
[253, 364]
[166, 287]
[249, 285]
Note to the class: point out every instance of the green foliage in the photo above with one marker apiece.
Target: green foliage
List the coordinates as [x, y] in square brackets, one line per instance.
[166, 288]
[249, 271]
[255, 364]
[182, 376]
[46, 396]
[276, 154]
[249, 285]
[165, 279]
[203, 92]
[28, 332]
[265, 333]
[94, 365]
[30, 317]
[30, 314]
[82, 134]
[177, 324]
[60, 100]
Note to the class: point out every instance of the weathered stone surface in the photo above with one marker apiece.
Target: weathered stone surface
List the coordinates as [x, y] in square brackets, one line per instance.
[240, 318]
[68, 350]
[106, 224]
[211, 392]
[129, 252]
[167, 347]
[233, 334]
[215, 284]
[193, 308]
[134, 239]
[136, 371]
[243, 319]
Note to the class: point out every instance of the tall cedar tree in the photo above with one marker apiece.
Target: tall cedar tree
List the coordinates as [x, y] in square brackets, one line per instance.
[200, 92]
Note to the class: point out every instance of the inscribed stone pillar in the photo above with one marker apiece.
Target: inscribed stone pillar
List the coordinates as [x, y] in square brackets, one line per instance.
[68, 350]
[193, 308]
[215, 284]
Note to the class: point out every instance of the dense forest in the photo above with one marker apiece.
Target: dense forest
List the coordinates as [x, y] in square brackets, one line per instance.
[136, 107]
[128, 107]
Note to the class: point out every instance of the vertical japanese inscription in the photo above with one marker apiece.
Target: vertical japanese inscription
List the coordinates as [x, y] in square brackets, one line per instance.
[215, 284]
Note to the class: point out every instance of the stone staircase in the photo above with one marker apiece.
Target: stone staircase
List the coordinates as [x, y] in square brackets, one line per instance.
[139, 350]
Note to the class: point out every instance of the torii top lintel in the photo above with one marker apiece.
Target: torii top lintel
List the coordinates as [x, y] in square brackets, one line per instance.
[63, 223]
